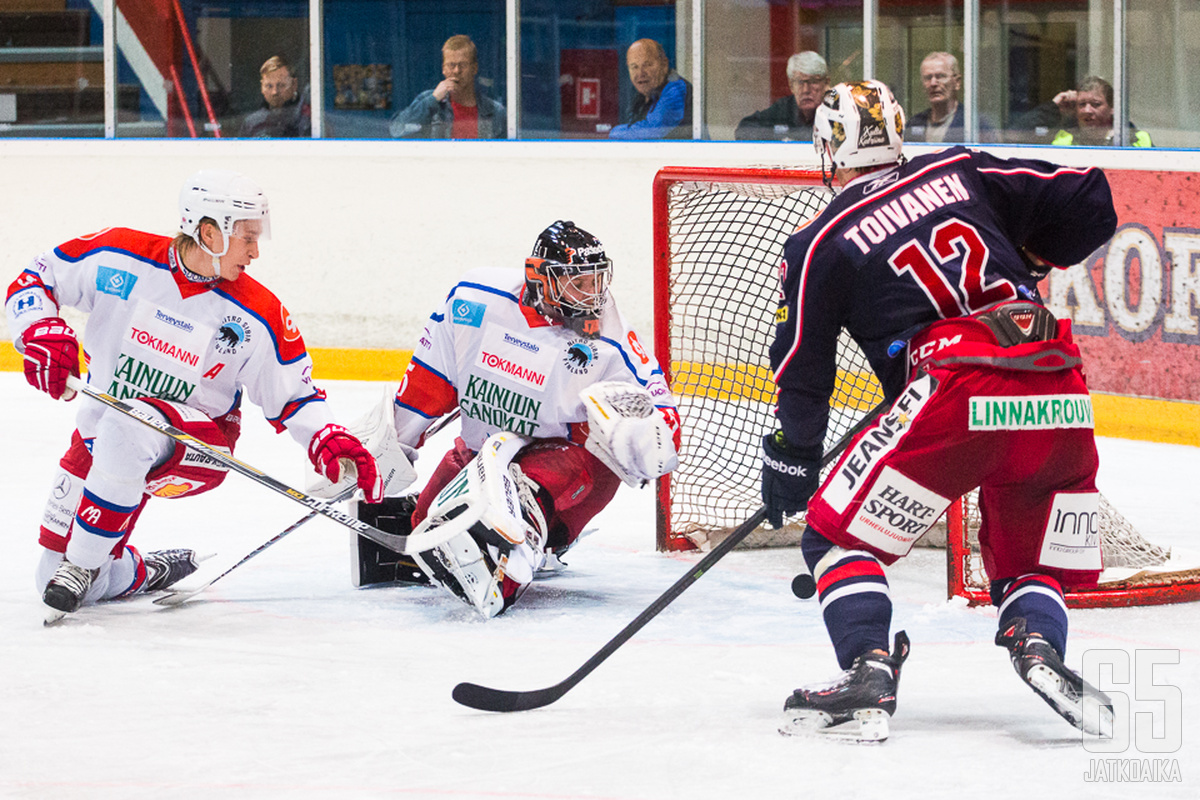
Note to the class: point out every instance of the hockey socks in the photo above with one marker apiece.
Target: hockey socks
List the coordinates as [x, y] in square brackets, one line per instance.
[1037, 599]
[854, 597]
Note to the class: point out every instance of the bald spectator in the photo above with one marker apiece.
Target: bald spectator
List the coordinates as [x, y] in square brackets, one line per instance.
[790, 119]
[285, 111]
[662, 108]
[943, 121]
[455, 108]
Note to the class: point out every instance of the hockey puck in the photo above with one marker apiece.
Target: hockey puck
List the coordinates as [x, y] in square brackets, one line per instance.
[803, 586]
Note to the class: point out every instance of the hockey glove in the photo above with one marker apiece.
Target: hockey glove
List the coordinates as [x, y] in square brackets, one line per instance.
[332, 447]
[790, 475]
[51, 355]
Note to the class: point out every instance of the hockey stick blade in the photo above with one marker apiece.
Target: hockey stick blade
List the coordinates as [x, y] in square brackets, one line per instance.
[483, 698]
[325, 508]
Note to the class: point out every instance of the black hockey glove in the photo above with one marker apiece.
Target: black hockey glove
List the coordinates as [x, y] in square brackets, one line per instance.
[790, 475]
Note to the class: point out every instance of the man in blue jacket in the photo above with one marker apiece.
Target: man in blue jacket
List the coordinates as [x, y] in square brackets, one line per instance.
[663, 106]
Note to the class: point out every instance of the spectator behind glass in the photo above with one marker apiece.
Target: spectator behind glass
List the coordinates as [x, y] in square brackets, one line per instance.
[662, 108]
[1090, 108]
[285, 110]
[943, 120]
[790, 119]
[455, 108]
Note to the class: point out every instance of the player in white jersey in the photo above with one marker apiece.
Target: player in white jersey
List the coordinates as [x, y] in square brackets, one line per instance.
[175, 328]
[558, 397]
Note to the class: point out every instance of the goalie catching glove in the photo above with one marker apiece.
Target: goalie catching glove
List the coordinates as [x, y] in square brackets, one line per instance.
[51, 356]
[626, 432]
[337, 453]
[790, 476]
[393, 461]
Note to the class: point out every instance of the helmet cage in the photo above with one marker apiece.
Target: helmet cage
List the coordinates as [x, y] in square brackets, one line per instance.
[560, 290]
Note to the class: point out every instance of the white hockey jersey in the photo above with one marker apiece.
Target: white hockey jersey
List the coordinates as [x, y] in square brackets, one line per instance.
[508, 368]
[153, 333]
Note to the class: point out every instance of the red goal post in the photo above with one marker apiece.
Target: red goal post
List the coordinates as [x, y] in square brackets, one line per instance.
[718, 246]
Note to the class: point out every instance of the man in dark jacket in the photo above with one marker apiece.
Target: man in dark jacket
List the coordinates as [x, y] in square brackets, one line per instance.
[285, 112]
[790, 119]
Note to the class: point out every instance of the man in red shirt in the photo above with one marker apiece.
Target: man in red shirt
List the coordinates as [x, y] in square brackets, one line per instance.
[453, 109]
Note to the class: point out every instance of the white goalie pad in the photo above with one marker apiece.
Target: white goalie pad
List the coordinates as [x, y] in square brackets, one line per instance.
[627, 432]
[475, 534]
[483, 492]
[377, 431]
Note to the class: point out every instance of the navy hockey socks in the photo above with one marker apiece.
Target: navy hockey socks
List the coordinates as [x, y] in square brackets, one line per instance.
[854, 596]
[1037, 598]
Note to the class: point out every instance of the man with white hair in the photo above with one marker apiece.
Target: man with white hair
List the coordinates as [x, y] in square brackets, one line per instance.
[790, 119]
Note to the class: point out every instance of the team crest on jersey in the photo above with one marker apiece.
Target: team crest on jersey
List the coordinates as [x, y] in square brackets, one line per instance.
[116, 282]
[580, 356]
[233, 333]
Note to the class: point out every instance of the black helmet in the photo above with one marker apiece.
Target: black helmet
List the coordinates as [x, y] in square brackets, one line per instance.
[562, 255]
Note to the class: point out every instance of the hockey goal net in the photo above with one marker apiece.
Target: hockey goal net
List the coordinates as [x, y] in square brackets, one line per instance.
[718, 242]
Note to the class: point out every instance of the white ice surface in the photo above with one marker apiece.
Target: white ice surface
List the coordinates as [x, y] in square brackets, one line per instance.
[283, 681]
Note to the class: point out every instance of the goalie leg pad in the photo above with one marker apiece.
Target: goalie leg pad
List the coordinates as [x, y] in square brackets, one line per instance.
[462, 569]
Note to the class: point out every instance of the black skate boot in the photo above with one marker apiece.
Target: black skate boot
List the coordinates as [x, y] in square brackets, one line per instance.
[167, 567]
[856, 706]
[1039, 665]
[64, 593]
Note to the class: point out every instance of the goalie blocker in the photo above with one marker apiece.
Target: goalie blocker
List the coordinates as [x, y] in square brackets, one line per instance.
[373, 564]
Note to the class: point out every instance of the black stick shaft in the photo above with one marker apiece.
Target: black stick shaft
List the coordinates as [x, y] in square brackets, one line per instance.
[486, 699]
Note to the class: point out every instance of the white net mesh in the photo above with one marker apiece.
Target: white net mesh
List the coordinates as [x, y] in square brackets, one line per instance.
[725, 243]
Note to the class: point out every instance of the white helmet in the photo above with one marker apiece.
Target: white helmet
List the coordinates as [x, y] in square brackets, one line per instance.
[224, 197]
[859, 125]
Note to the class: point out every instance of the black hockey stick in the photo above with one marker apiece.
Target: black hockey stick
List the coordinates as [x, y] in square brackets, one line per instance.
[391, 541]
[179, 597]
[485, 699]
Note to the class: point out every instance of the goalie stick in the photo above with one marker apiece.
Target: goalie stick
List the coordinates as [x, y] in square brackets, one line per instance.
[486, 699]
[318, 506]
[180, 597]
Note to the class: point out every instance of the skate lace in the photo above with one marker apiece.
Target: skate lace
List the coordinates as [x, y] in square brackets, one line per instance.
[75, 580]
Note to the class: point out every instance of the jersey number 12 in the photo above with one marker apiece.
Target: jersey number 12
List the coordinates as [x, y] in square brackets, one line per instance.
[950, 240]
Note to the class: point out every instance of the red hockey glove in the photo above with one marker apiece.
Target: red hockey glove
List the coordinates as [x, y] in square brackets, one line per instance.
[51, 354]
[333, 445]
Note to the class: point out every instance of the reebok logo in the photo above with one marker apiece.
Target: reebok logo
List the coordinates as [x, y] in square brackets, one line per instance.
[786, 469]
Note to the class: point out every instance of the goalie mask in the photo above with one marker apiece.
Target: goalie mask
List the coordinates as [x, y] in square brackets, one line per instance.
[226, 198]
[567, 276]
[858, 125]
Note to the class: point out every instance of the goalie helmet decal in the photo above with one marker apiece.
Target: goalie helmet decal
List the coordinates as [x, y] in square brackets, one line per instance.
[859, 125]
[567, 277]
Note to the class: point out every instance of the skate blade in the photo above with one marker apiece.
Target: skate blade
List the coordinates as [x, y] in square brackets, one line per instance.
[53, 617]
[869, 726]
[1087, 713]
[172, 598]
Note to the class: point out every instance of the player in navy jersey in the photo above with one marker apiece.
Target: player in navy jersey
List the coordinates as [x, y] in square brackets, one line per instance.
[932, 267]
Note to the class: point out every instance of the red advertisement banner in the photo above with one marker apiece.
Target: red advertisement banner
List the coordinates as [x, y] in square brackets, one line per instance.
[1135, 303]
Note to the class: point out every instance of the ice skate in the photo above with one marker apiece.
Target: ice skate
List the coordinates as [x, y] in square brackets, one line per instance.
[64, 593]
[1039, 665]
[857, 706]
[164, 568]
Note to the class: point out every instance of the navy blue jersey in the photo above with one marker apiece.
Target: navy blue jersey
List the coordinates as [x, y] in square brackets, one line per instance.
[896, 250]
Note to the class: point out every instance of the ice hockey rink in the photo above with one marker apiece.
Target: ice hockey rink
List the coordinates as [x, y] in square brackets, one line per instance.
[283, 680]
